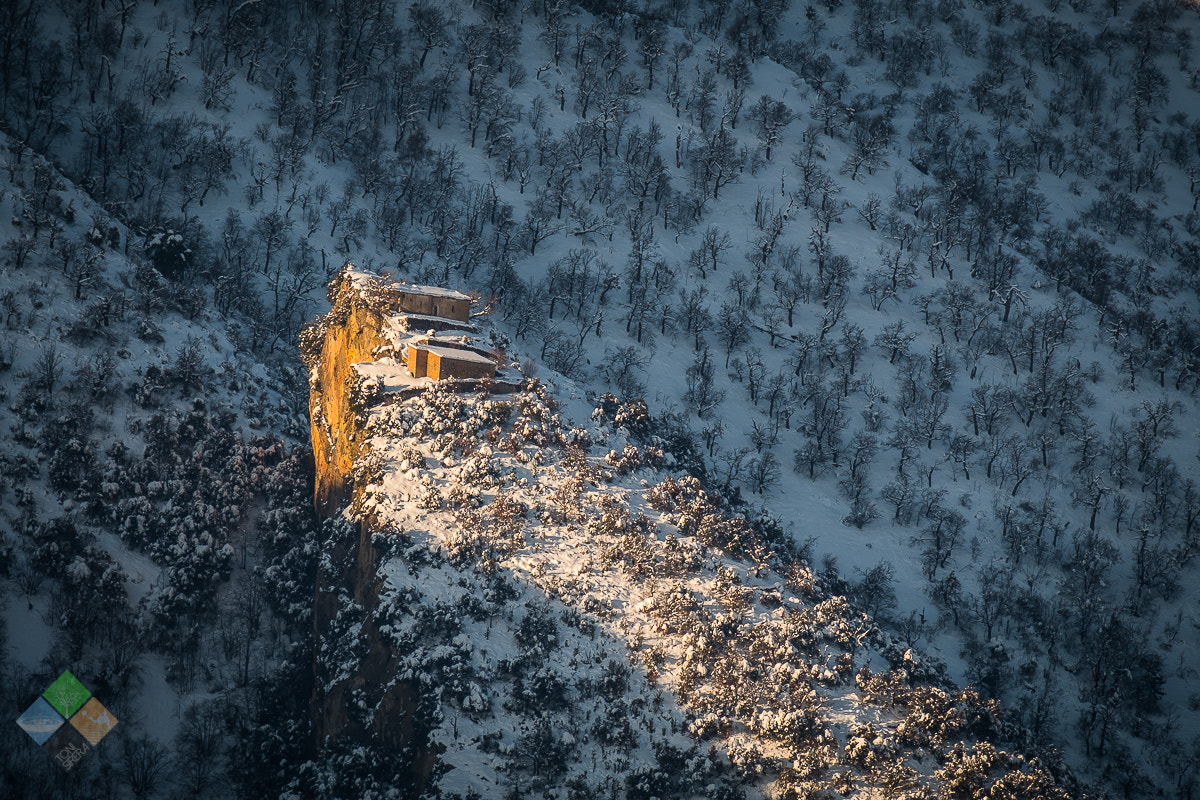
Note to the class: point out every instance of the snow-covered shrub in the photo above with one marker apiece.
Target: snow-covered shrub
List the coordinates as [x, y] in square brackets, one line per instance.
[507, 512]
[149, 331]
[935, 717]
[748, 760]
[548, 751]
[646, 783]
[710, 725]
[579, 438]
[613, 681]
[885, 689]
[170, 253]
[565, 505]
[678, 556]
[390, 542]
[867, 747]
[341, 647]
[727, 587]
[477, 702]
[430, 499]
[479, 470]
[442, 667]
[461, 496]
[72, 465]
[312, 341]
[612, 727]
[540, 691]
[537, 632]
[58, 542]
[725, 790]
[411, 459]
[362, 392]
[632, 416]
[862, 511]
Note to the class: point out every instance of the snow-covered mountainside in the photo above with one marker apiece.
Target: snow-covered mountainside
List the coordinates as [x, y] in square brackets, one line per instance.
[915, 280]
[155, 502]
[549, 600]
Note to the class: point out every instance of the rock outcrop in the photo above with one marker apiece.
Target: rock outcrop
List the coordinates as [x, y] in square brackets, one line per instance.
[357, 698]
[351, 333]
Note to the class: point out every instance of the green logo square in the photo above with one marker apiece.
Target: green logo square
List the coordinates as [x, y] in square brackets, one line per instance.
[67, 695]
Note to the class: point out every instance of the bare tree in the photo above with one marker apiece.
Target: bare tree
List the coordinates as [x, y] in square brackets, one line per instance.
[733, 328]
[770, 117]
[701, 393]
[145, 763]
[874, 592]
[429, 23]
[710, 253]
[198, 747]
[763, 472]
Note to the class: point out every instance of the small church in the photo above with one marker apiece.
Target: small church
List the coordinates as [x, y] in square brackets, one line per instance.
[434, 358]
[427, 360]
[429, 301]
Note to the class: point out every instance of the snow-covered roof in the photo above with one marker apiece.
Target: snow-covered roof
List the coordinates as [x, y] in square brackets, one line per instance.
[455, 354]
[359, 276]
[431, 291]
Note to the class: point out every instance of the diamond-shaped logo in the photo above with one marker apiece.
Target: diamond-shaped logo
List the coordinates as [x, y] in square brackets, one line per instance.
[45, 721]
[67, 695]
[40, 721]
[94, 721]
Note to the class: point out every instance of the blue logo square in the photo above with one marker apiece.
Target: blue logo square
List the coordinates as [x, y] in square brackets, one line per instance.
[40, 721]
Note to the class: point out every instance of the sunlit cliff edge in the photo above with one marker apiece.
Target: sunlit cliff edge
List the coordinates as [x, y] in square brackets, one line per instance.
[739, 671]
[367, 327]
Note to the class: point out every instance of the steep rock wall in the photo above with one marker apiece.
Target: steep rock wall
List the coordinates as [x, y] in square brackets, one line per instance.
[364, 705]
[351, 333]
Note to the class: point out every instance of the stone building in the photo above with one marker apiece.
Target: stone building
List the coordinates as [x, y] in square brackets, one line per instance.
[429, 301]
[439, 363]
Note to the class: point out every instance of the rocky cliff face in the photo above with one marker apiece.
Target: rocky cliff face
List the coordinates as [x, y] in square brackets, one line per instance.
[350, 334]
[357, 700]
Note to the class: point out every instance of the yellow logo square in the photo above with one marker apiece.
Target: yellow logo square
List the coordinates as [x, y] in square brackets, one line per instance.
[94, 721]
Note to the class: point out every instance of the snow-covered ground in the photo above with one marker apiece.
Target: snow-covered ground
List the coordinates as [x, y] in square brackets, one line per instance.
[1008, 129]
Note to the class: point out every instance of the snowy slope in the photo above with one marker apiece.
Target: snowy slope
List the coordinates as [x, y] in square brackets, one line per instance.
[1020, 177]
